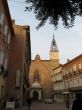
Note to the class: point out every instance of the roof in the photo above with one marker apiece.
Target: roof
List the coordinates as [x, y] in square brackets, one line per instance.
[74, 59]
[60, 65]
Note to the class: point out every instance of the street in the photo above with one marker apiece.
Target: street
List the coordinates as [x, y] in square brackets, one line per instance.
[43, 106]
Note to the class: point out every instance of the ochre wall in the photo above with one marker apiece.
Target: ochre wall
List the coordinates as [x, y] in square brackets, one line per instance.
[44, 68]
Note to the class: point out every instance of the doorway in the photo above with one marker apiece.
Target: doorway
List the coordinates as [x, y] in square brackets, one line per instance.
[35, 95]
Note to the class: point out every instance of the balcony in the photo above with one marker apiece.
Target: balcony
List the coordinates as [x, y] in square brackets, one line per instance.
[79, 71]
[66, 76]
[70, 74]
[75, 72]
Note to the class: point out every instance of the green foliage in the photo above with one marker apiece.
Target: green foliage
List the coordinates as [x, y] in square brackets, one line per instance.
[53, 10]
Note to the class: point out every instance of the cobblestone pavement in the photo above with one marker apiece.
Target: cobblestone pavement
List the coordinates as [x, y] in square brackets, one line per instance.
[43, 106]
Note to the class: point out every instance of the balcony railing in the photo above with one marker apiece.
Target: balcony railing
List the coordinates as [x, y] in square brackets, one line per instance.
[79, 70]
[74, 72]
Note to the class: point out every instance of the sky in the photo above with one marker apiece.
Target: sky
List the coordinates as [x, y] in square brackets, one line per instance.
[69, 41]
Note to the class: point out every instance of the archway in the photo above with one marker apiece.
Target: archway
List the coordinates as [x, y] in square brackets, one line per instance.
[35, 95]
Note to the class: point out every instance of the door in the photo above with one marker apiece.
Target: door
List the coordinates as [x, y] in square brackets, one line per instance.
[35, 95]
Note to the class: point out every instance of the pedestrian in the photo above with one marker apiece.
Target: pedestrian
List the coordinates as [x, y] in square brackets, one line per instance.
[29, 101]
[67, 101]
[67, 104]
[77, 103]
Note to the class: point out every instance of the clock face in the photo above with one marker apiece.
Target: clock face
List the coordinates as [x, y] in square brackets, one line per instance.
[54, 55]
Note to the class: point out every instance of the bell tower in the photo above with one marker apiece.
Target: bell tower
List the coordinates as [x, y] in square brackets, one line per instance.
[54, 52]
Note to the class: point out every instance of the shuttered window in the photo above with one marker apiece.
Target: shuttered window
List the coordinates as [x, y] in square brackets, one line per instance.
[5, 63]
[1, 18]
[8, 39]
[18, 78]
[1, 57]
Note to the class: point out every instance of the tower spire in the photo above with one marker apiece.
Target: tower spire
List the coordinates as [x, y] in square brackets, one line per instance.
[53, 36]
[53, 47]
[54, 52]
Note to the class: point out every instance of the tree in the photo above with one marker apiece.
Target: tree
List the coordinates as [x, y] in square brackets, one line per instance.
[53, 10]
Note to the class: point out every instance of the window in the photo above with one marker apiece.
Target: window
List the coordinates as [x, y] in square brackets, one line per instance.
[36, 76]
[70, 70]
[66, 71]
[9, 36]
[0, 28]
[76, 83]
[74, 67]
[18, 78]
[1, 21]
[79, 66]
[80, 81]
[5, 63]
[71, 83]
[2, 91]
[1, 18]
[6, 30]
[1, 57]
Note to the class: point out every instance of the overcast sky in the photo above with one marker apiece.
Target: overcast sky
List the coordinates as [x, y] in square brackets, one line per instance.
[69, 41]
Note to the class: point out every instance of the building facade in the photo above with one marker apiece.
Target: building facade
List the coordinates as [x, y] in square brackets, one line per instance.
[72, 76]
[41, 84]
[70, 82]
[19, 61]
[6, 33]
[15, 57]
[57, 78]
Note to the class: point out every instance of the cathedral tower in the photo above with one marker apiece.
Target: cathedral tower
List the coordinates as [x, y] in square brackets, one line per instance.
[54, 52]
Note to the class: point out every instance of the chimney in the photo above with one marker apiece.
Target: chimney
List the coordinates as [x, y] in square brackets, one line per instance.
[68, 60]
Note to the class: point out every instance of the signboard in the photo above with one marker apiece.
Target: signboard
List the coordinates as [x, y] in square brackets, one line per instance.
[10, 105]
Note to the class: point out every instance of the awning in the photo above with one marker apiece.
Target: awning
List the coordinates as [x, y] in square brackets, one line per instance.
[67, 92]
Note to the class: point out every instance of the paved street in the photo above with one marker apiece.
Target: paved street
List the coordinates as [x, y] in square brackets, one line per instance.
[43, 106]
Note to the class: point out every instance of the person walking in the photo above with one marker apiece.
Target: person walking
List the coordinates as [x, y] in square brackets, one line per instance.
[67, 101]
[67, 104]
[77, 103]
[29, 101]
